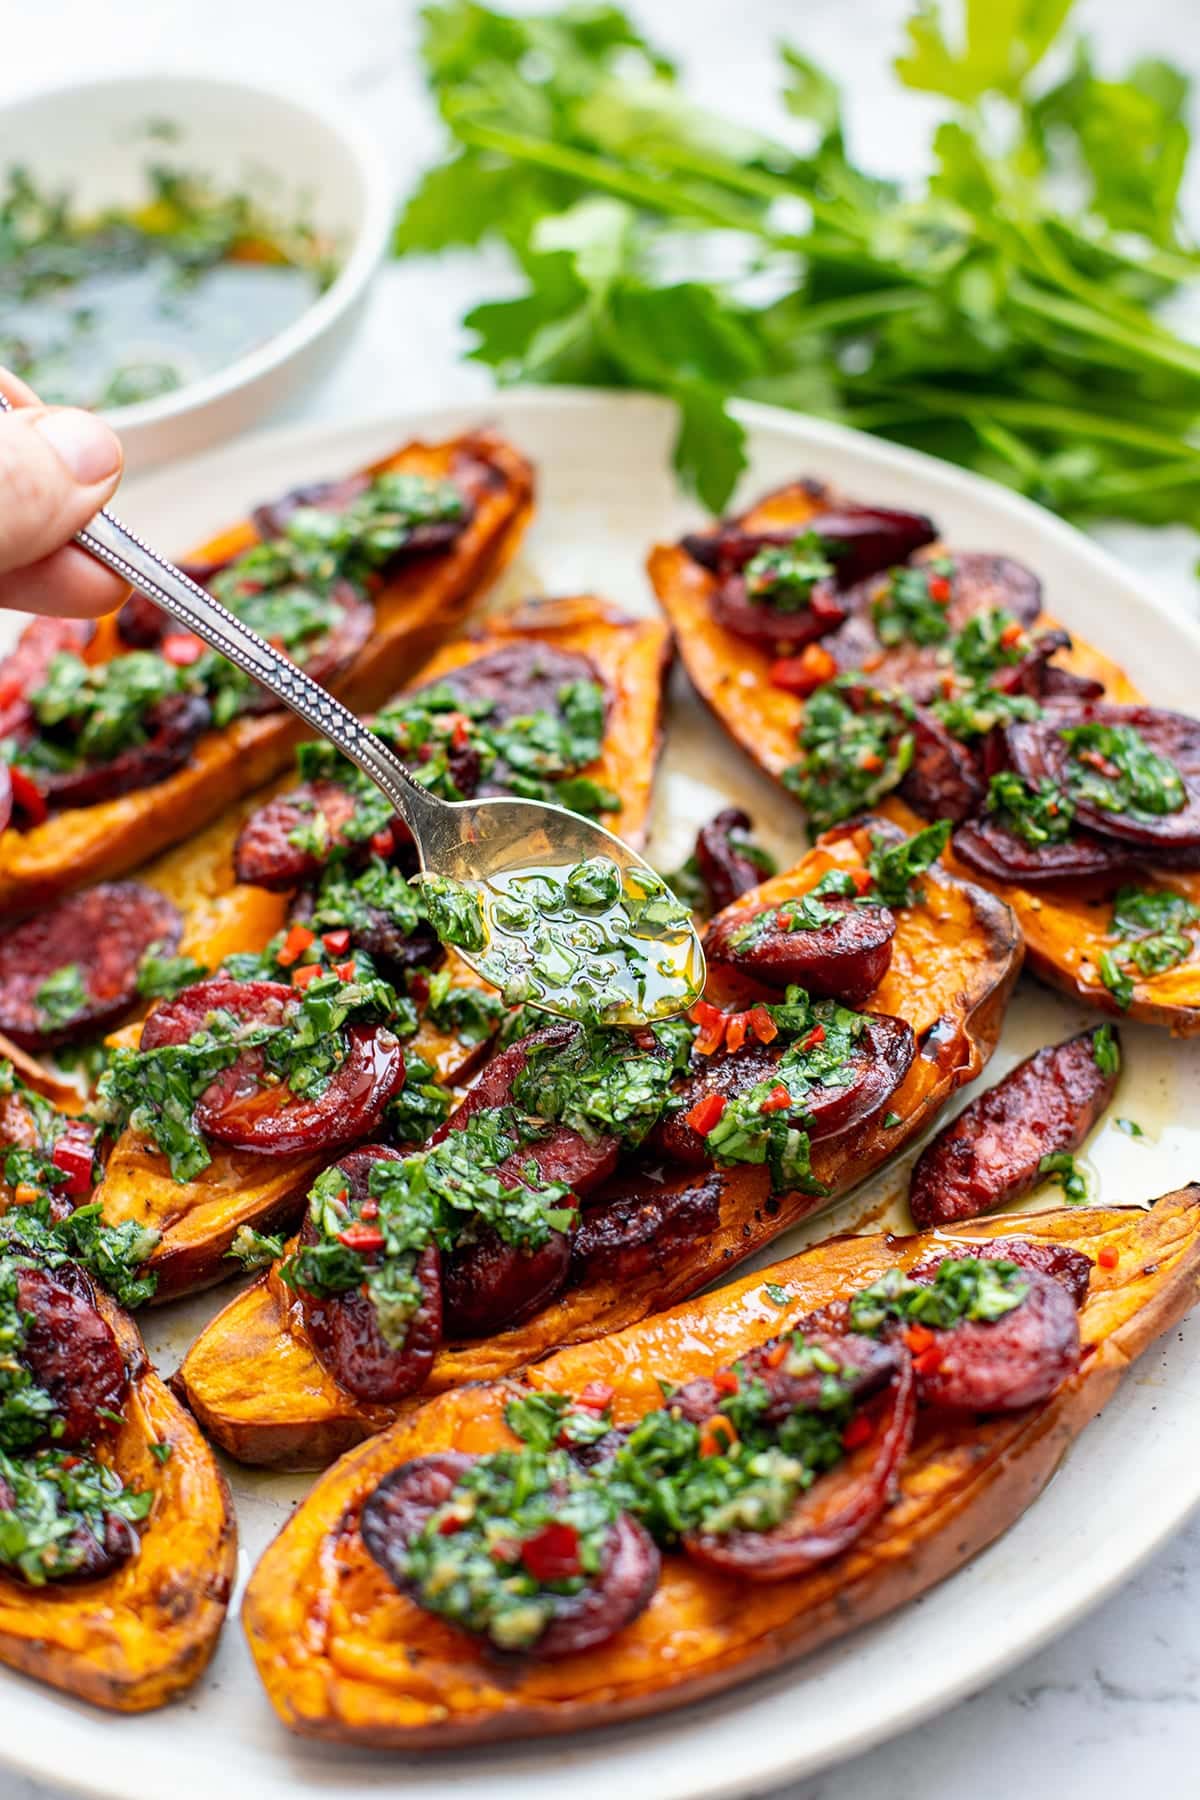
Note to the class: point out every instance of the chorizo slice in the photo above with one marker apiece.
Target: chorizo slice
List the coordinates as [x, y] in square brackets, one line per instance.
[264, 854]
[944, 779]
[6, 796]
[642, 1224]
[376, 932]
[344, 1328]
[26, 666]
[845, 958]
[876, 1067]
[272, 519]
[777, 630]
[1062, 1262]
[172, 726]
[979, 583]
[104, 932]
[81, 1555]
[516, 680]
[1004, 1364]
[836, 1510]
[239, 1109]
[992, 850]
[865, 1365]
[726, 871]
[868, 538]
[403, 1503]
[991, 1153]
[71, 1351]
[489, 1285]
[1040, 751]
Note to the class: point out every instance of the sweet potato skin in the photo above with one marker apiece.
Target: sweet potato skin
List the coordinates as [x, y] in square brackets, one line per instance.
[138, 1637]
[416, 609]
[1063, 932]
[344, 1656]
[199, 1219]
[260, 1391]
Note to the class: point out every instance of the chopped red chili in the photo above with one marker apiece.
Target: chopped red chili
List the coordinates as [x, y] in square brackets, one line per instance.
[552, 1554]
[705, 1114]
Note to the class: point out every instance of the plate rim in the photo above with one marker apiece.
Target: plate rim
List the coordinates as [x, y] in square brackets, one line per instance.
[1169, 1507]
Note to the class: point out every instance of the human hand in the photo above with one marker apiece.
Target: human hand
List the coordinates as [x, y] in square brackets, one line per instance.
[58, 466]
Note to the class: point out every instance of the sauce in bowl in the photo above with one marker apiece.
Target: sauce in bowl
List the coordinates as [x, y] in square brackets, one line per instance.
[112, 308]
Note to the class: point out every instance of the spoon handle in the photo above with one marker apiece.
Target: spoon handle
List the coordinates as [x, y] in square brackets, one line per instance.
[122, 551]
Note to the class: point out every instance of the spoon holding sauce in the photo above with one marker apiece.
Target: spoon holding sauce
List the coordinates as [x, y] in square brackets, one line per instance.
[546, 905]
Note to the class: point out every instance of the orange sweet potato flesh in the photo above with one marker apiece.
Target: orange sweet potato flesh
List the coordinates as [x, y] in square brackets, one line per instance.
[415, 610]
[1065, 932]
[199, 1219]
[257, 1387]
[138, 1637]
[344, 1656]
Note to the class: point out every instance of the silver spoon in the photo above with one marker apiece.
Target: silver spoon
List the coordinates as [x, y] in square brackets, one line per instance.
[490, 845]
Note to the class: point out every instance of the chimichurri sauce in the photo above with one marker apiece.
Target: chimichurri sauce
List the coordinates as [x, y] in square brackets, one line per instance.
[591, 940]
[117, 307]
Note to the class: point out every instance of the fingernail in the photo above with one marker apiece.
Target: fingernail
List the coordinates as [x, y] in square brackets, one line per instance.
[84, 444]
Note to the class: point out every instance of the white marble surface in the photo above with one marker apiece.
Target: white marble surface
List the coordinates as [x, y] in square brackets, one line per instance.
[1115, 1702]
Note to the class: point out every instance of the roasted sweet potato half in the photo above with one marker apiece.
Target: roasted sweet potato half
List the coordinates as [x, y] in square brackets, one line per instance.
[1067, 929]
[255, 1383]
[420, 605]
[135, 1638]
[199, 1219]
[345, 1655]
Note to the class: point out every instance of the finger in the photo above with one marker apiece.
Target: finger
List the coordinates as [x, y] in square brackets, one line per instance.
[16, 390]
[67, 584]
[58, 466]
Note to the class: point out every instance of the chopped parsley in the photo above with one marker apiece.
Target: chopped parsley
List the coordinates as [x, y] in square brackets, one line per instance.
[988, 642]
[1040, 815]
[912, 605]
[162, 977]
[1062, 1165]
[783, 576]
[856, 745]
[61, 998]
[601, 1083]
[254, 1249]
[1152, 927]
[1113, 768]
[56, 1507]
[964, 1288]
[422, 1104]
[895, 869]
[1106, 1052]
[1130, 1127]
[92, 711]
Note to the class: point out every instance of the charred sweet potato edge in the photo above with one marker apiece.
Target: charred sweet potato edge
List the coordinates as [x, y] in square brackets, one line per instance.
[199, 1219]
[136, 1638]
[416, 609]
[258, 1388]
[344, 1656]
[1064, 933]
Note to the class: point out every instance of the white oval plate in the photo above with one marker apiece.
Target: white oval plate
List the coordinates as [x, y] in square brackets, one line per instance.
[606, 493]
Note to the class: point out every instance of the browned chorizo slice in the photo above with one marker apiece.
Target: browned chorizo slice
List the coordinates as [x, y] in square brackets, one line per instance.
[978, 584]
[845, 958]
[726, 870]
[1091, 773]
[777, 630]
[80, 1555]
[24, 669]
[172, 726]
[518, 679]
[1001, 1365]
[265, 855]
[944, 779]
[375, 931]
[489, 1285]
[865, 539]
[1061, 1262]
[239, 1109]
[991, 1153]
[403, 1503]
[836, 1510]
[71, 1351]
[104, 933]
[643, 1223]
[141, 625]
[6, 796]
[791, 1385]
[880, 1061]
[344, 1328]
[989, 848]
[272, 519]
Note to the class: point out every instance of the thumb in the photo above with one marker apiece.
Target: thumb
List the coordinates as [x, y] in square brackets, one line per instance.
[58, 466]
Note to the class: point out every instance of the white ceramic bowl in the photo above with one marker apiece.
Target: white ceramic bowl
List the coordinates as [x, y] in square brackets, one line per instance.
[300, 154]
